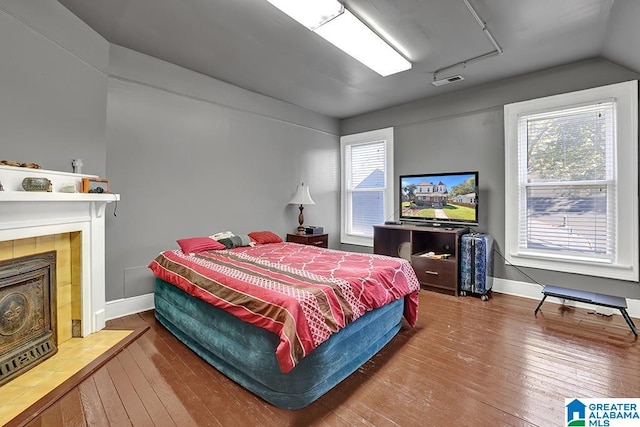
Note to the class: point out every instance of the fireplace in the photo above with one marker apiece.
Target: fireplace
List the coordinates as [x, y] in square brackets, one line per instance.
[26, 215]
[27, 313]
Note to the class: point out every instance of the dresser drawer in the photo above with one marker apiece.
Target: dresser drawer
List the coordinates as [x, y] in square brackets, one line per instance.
[320, 240]
[436, 272]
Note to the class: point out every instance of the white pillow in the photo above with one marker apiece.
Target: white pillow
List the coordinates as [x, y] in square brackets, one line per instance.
[222, 235]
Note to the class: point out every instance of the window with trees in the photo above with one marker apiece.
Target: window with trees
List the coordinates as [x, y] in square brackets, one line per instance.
[572, 183]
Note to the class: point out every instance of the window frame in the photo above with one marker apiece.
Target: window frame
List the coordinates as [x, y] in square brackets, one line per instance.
[624, 265]
[385, 135]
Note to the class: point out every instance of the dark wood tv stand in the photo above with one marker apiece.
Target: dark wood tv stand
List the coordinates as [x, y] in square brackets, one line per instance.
[439, 271]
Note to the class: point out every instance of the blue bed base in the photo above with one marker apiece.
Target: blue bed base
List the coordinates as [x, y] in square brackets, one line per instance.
[246, 353]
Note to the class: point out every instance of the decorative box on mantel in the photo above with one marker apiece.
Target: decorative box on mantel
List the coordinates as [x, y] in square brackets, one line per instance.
[11, 178]
[27, 214]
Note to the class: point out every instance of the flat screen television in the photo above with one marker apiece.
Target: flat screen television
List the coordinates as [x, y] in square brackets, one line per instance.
[439, 198]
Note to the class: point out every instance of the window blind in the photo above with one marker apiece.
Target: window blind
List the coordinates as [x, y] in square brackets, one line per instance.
[366, 186]
[567, 181]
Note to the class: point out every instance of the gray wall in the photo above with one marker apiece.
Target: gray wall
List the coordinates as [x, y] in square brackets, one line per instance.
[189, 155]
[623, 28]
[53, 87]
[464, 130]
[192, 156]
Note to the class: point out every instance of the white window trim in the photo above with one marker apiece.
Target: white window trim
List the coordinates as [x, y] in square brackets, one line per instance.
[385, 134]
[625, 265]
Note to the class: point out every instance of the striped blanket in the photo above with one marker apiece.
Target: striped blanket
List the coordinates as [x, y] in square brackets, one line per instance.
[304, 294]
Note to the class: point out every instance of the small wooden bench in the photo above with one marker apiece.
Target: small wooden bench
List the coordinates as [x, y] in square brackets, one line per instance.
[590, 298]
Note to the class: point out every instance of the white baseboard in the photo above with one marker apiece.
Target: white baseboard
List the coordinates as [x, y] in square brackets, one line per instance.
[127, 306]
[519, 289]
[633, 308]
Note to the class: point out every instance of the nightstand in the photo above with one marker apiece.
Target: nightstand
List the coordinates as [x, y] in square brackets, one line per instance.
[320, 240]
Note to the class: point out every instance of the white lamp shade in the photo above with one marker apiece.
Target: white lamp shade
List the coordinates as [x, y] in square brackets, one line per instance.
[302, 196]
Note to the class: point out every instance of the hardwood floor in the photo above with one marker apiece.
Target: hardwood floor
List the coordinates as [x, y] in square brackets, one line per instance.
[467, 362]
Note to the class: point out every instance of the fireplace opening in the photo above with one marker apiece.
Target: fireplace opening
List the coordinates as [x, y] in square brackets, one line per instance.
[27, 313]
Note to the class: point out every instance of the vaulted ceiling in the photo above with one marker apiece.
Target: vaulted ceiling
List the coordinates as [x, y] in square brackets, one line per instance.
[251, 44]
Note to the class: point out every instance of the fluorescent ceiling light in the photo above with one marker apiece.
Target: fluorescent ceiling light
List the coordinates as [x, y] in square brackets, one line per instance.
[311, 14]
[330, 20]
[351, 35]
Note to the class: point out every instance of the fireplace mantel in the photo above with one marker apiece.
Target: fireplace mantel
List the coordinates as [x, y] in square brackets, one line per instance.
[32, 214]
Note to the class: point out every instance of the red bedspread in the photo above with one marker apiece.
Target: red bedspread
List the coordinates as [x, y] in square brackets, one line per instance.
[301, 293]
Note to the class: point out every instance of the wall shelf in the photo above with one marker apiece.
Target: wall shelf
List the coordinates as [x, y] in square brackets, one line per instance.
[43, 196]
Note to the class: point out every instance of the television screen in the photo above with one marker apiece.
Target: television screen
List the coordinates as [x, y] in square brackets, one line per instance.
[450, 198]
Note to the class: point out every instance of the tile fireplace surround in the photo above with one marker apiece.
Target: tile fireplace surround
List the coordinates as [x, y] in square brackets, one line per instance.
[32, 214]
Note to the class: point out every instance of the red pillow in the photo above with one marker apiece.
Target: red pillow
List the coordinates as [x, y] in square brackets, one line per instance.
[263, 237]
[199, 244]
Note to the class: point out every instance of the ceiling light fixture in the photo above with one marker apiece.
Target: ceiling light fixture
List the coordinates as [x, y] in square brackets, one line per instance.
[311, 14]
[333, 22]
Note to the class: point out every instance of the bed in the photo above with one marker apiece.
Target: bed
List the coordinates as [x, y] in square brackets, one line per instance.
[284, 320]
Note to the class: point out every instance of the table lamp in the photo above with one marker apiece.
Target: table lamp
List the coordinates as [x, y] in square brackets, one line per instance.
[302, 197]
